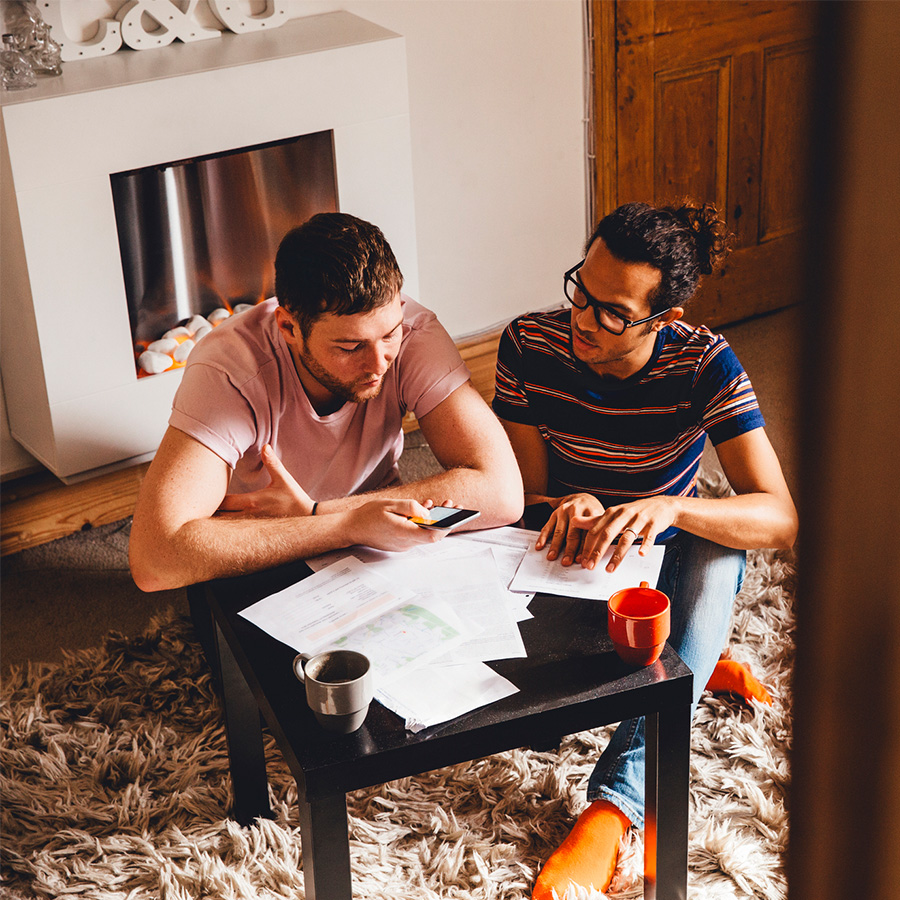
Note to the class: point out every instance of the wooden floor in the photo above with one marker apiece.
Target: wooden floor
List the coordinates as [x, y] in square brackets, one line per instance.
[39, 508]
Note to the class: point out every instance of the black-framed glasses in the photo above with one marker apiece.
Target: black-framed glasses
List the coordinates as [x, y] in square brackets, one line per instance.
[606, 316]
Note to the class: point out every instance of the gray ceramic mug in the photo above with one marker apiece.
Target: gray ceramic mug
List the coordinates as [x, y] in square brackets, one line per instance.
[339, 687]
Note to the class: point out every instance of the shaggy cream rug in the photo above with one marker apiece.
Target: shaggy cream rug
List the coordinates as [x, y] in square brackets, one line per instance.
[115, 785]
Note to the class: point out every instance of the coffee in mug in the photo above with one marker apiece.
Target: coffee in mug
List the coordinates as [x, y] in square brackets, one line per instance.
[339, 687]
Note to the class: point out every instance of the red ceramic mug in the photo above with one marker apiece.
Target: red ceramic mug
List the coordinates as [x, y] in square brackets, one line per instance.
[639, 623]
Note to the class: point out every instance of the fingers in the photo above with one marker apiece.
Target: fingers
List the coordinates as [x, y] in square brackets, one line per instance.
[574, 538]
[546, 532]
[620, 538]
[385, 525]
[648, 536]
[274, 466]
[562, 534]
[610, 530]
[626, 539]
[405, 507]
[595, 542]
[555, 531]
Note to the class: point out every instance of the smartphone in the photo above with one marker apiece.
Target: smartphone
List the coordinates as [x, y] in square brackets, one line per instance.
[445, 517]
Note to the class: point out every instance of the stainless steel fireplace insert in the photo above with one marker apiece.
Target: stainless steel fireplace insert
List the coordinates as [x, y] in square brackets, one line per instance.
[200, 234]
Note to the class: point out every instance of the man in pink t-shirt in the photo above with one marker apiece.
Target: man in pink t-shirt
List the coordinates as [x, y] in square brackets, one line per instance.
[286, 430]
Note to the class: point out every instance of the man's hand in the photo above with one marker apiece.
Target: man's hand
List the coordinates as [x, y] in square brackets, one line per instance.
[283, 497]
[642, 519]
[449, 504]
[560, 529]
[384, 525]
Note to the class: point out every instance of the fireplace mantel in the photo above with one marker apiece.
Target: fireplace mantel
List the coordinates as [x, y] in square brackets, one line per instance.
[74, 401]
[312, 34]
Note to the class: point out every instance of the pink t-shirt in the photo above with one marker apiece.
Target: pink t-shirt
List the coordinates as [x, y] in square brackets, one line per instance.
[240, 391]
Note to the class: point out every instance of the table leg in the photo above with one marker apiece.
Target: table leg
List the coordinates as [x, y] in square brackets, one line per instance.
[668, 748]
[326, 848]
[243, 732]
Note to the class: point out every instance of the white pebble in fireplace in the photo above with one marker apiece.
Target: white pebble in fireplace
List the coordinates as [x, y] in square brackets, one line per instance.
[62, 274]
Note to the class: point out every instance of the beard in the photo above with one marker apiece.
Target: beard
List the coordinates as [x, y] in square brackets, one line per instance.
[351, 391]
[597, 355]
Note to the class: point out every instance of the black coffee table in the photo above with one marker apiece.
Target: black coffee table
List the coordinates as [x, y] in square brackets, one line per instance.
[570, 681]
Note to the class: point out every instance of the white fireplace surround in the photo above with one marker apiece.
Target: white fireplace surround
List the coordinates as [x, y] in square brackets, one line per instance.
[73, 398]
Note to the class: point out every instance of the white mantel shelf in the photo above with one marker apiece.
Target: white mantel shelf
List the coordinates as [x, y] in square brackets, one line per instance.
[310, 34]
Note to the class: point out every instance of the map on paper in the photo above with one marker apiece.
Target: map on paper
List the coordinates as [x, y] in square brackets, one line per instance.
[408, 636]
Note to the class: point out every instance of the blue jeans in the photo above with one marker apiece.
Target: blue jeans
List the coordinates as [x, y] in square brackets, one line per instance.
[701, 579]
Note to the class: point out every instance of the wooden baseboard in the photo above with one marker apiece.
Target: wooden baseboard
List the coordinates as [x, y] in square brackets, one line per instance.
[40, 508]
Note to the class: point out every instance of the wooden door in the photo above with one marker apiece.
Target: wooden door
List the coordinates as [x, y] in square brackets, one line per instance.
[709, 99]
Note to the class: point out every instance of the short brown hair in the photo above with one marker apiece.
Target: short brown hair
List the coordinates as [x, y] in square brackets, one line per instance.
[334, 263]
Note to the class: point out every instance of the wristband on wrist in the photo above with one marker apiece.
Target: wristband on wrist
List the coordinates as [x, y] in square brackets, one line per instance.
[315, 507]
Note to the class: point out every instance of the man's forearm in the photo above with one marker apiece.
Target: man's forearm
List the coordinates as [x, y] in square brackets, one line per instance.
[219, 547]
[744, 522]
[498, 496]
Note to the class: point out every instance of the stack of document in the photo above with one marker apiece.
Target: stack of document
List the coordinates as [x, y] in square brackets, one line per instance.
[429, 618]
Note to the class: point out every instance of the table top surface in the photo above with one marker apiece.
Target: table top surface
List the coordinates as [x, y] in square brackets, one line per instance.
[571, 680]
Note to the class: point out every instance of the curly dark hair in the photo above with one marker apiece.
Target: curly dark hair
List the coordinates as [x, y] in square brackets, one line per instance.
[334, 263]
[682, 242]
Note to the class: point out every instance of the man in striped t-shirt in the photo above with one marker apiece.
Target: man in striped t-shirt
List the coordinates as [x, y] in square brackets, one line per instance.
[608, 405]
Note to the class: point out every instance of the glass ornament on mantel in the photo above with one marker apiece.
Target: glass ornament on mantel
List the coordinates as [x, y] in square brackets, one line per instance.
[23, 19]
[18, 72]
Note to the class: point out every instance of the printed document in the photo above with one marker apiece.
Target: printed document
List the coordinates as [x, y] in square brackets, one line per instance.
[440, 693]
[537, 573]
[427, 619]
[329, 604]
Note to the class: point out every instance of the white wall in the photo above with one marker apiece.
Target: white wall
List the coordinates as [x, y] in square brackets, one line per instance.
[496, 110]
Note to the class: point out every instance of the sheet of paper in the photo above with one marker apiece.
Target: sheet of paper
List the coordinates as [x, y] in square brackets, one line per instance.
[508, 545]
[406, 637]
[475, 593]
[536, 573]
[506, 559]
[431, 695]
[363, 554]
[326, 606]
[507, 536]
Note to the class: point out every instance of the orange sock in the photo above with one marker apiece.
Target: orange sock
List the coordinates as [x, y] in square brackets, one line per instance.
[588, 855]
[730, 677]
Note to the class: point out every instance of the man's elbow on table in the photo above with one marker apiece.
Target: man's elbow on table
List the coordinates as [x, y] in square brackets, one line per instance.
[512, 505]
[507, 496]
[148, 568]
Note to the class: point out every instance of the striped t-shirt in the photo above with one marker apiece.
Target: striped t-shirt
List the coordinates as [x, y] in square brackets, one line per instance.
[622, 440]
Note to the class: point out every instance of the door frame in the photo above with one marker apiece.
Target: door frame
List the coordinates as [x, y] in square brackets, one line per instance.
[603, 147]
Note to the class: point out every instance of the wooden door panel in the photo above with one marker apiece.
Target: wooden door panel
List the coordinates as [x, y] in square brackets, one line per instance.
[786, 72]
[709, 99]
[634, 134]
[745, 139]
[690, 156]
